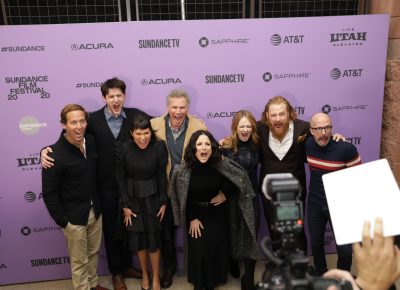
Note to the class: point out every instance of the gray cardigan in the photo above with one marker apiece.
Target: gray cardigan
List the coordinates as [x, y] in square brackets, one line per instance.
[241, 213]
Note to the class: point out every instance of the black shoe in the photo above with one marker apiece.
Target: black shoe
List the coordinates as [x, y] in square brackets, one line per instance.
[235, 270]
[166, 278]
[245, 284]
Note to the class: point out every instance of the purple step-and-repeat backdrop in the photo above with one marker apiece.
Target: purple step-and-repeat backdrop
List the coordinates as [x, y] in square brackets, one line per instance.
[334, 64]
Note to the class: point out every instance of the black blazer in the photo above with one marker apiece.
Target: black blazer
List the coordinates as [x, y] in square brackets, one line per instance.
[294, 160]
[105, 142]
[69, 187]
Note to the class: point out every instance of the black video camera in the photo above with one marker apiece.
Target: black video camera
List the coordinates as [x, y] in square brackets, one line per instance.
[287, 268]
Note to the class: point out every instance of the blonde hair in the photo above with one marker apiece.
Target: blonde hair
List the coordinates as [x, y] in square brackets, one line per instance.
[231, 142]
[277, 100]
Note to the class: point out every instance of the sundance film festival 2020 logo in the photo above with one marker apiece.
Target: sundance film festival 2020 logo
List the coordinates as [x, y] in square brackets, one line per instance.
[30, 125]
[159, 43]
[277, 39]
[160, 81]
[91, 46]
[329, 108]
[32, 162]
[337, 73]
[27, 85]
[268, 76]
[348, 37]
[205, 41]
[24, 48]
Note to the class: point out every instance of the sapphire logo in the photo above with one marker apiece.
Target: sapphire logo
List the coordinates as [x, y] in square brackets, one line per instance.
[91, 46]
[267, 77]
[26, 231]
[336, 73]
[348, 37]
[203, 42]
[30, 196]
[161, 81]
[276, 39]
[326, 109]
[211, 115]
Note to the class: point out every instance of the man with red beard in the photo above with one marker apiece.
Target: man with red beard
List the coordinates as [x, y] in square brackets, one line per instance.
[325, 156]
[282, 138]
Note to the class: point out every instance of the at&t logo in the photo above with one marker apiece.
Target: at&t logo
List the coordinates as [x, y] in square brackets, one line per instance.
[336, 73]
[30, 196]
[276, 39]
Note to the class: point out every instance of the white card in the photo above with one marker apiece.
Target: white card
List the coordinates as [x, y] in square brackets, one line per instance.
[361, 193]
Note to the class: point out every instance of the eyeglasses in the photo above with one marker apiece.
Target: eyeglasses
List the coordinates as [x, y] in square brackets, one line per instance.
[320, 129]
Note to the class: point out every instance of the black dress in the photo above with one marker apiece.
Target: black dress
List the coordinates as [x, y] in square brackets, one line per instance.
[142, 182]
[208, 254]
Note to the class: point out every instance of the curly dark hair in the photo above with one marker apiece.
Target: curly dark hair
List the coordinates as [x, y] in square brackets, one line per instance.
[190, 151]
[142, 122]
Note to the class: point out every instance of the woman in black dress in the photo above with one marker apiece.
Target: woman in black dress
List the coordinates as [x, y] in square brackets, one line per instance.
[242, 146]
[212, 197]
[142, 181]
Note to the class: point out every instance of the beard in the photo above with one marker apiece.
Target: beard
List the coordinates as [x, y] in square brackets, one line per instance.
[278, 129]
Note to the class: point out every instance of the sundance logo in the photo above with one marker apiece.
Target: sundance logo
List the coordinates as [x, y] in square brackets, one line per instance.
[23, 48]
[43, 262]
[163, 81]
[347, 73]
[91, 46]
[30, 125]
[267, 77]
[328, 108]
[348, 37]
[204, 41]
[276, 39]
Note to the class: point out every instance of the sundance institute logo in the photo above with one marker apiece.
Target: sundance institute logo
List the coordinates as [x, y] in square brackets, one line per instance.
[30, 125]
[203, 42]
[276, 39]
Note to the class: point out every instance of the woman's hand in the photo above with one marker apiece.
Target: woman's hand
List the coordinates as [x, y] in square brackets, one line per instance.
[161, 212]
[195, 228]
[128, 216]
[218, 199]
[45, 160]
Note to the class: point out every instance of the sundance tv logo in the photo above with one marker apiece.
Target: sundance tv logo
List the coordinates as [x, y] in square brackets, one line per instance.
[92, 46]
[354, 140]
[348, 37]
[224, 79]
[205, 42]
[159, 43]
[52, 261]
[268, 76]
[336, 73]
[160, 81]
[277, 39]
[328, 108]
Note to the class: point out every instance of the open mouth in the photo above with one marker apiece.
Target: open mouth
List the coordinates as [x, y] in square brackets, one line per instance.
[203, 154]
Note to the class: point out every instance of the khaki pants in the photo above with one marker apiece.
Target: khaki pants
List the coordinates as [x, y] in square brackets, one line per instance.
[83, 249]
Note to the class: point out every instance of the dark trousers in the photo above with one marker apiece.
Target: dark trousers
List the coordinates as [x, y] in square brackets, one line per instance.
[119, 257]
[168, 248]
[318, 217]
